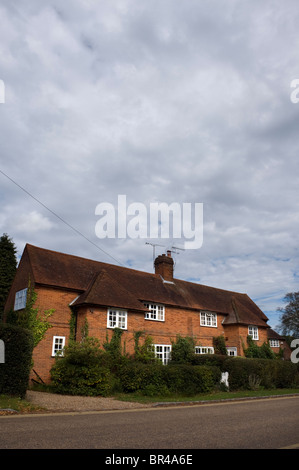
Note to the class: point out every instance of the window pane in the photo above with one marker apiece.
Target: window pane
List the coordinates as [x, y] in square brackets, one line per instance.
[117, 318]
[208, 319]
[156, 312]
[58, 344]
[163, 352]
[20, 299]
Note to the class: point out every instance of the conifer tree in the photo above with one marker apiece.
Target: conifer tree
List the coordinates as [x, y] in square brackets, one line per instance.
[8, 267]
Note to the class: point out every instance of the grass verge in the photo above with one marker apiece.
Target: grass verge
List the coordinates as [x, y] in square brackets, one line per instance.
[10, 404]
[139, 398]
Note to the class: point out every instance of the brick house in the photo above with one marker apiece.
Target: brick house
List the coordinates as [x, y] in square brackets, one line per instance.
[109, 296]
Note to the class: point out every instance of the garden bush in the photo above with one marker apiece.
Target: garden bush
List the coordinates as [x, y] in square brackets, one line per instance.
[137, 376]
[83, 370]
[209, 360]
[287, 374]
[190, 380]
[14, 376]
[182, 350]
[244, 373]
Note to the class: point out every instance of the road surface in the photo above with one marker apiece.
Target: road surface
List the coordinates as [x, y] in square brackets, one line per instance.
[253, 424]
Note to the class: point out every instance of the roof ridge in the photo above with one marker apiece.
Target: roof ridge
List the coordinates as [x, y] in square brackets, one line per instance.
[28, 245]
[108, 265]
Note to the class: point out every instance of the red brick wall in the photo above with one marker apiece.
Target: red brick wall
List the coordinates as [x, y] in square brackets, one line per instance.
[58, 300]
[236, 336]
[177, 321]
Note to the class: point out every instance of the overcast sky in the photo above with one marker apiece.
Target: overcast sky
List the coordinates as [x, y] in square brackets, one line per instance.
[161, 101]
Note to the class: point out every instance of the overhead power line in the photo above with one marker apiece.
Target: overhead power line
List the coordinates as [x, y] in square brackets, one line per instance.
[60, 218]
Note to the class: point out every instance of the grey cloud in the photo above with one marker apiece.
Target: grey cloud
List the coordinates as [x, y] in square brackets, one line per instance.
[161, 101]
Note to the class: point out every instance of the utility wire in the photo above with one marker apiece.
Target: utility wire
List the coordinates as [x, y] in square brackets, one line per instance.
[58, 217]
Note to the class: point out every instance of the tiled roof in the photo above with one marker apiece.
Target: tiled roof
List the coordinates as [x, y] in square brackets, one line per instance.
[273, 335]
[106, 284]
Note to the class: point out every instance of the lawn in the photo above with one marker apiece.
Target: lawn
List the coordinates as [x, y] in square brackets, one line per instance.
[173, 398]
[23, 406]
[16, 404]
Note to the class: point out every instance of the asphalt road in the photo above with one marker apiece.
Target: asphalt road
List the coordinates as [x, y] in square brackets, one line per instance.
[254, 424]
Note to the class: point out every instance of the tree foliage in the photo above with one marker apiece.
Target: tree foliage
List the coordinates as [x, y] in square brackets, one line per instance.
[254, 351]
[8, 267]
[30, 317]
[182, 350]
[219, 345]
[289, 319]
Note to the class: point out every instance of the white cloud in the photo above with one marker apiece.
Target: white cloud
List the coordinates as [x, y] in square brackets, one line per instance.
[160, 101]
[31, 223]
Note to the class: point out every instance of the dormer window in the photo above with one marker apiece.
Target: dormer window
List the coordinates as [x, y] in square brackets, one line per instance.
[156, 312]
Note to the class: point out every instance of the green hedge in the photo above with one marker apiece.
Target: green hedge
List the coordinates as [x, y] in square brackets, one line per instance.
[158, 379]
[14, 373]
[135, 376]
[209, 360]
[248, 373]
[268, 373]
[190, 380]
[86, 369]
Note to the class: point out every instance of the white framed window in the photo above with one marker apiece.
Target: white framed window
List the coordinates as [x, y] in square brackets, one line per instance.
[274, 343]
[163, 351]
[117, 319]
[156, 312]
[253, 331]
[20, 299]
[58, 345]
[204, 350]
[231, 351]
[208, 319]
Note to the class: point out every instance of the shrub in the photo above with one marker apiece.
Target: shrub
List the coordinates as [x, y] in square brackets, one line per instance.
[255, 351]
[71, 379]
[113, 347]
[83, 370]
[134, 376]
[145, 352]
[219, 345]
[287, 374]
[182, 350]
[209, 360]
[246, 373]
[15, 371]
[190, 380]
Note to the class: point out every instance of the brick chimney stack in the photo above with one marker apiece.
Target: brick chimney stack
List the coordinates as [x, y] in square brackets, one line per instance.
[164, 266]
